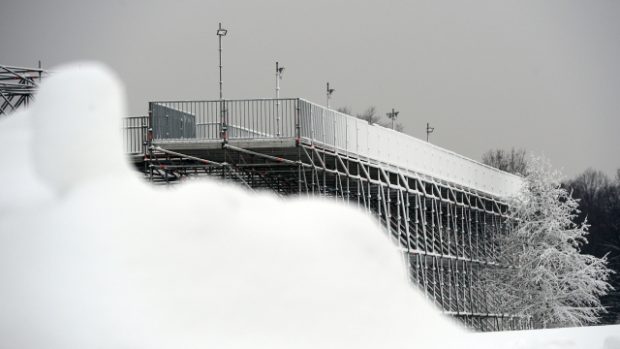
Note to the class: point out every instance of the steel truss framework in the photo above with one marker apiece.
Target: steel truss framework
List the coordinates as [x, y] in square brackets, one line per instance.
[17, 86]
[446, 232]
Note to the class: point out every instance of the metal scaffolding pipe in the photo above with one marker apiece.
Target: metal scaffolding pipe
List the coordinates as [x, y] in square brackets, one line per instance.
[273, 158]
[208, 162]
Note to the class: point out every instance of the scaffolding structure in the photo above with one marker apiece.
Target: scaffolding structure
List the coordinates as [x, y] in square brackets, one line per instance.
[17, 86]
[444, 223]
[444, 211]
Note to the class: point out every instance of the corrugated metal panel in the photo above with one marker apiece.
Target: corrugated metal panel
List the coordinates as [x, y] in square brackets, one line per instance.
[173, 121]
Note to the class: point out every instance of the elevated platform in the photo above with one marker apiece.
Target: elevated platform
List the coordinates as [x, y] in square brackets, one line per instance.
[443, 210]
[198, 126]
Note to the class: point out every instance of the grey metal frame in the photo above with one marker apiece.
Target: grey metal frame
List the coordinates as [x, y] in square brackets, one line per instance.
[134, 133]
[228, 119]
[17, 86]
[445, 230]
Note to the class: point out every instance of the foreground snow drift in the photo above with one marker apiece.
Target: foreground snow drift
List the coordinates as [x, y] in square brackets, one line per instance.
[90, 256]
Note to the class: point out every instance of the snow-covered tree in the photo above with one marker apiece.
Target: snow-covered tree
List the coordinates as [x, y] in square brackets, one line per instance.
[543, 274]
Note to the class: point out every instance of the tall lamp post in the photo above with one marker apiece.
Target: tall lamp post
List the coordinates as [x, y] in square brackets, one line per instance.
[222, 32]
[329, 94]
[279, 71]
[392, 116]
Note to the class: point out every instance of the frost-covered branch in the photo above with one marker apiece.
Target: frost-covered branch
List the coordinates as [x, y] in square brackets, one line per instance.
[548, 278]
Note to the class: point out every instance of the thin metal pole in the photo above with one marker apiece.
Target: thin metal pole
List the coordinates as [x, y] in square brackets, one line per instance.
[392, 116]
[277, 81]
[220, 51]
[278, 75]
[429, 130]
[224, 127]
[328, 95]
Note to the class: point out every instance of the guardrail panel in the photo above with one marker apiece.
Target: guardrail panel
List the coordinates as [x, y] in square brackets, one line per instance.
[240, 119]
[276, 118]
[346, 133]
[134, 129]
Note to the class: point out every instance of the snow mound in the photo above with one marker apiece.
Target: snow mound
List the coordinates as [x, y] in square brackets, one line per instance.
[20, 187]
[94, 257]
[76, 121]
[90, 256]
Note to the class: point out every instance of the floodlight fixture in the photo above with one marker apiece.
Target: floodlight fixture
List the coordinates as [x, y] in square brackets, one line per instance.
[279, 70]
[221, 31]
[392, 116]
[429, 130]
[330, 91]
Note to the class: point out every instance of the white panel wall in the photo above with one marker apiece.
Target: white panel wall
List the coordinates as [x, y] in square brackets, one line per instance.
[350, 135]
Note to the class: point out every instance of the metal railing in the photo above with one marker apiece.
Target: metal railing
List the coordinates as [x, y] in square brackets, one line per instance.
[134, 131]
[352, 136]
[226, 119]
[314, 124]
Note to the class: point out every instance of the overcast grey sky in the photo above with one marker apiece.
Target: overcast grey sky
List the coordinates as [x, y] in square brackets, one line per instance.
[542, 75]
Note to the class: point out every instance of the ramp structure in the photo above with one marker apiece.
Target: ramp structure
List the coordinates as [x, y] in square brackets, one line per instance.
[17, 86]
[441, 208]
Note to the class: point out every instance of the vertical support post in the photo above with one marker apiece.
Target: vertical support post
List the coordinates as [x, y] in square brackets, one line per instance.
[278, 78]
[223, 122]
[311, 112]
[328, 94]
[298, 144]
[429, 130]
[334, 128]
[224, 135]
[313, 172]
[220, 32]
[297, 122]
[149, 142]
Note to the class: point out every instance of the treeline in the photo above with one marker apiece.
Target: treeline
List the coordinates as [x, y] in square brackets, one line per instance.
[598, 196]
[599, 203]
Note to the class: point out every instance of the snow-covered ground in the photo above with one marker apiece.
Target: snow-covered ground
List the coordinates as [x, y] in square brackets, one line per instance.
[90, 256]
[606, 337]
